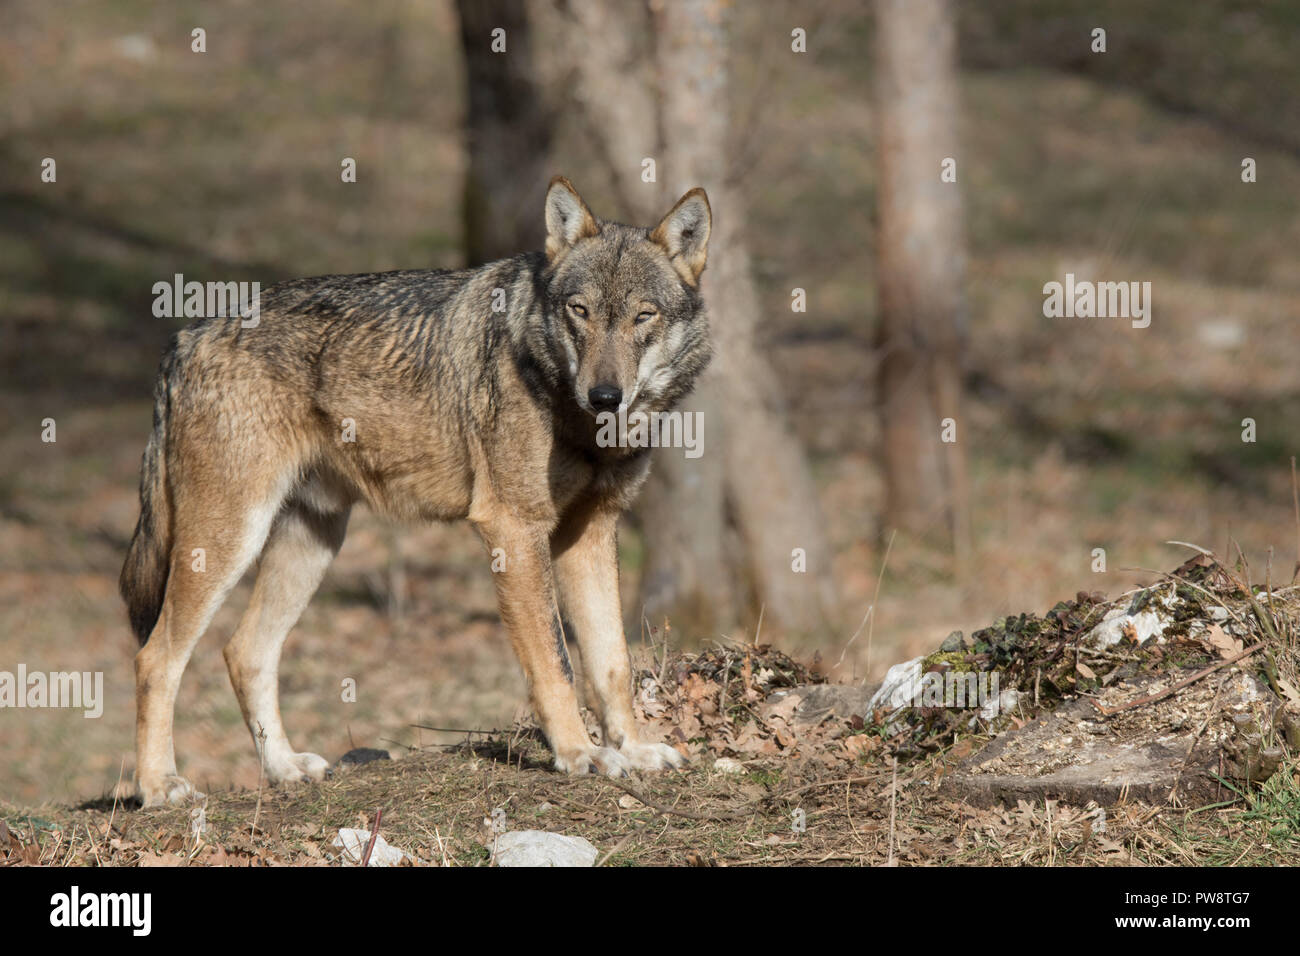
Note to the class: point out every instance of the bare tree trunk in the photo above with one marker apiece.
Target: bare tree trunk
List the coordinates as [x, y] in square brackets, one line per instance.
[509, 133]
[752, 474]
[923, 318]
[689, 570]
[767, 486]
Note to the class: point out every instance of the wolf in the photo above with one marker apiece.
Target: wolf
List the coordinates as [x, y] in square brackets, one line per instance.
[429, 396]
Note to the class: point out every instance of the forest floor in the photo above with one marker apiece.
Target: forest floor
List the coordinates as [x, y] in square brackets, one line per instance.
[788, 769]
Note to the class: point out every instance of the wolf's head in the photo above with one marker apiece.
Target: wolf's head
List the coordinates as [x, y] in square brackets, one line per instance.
[626, 321]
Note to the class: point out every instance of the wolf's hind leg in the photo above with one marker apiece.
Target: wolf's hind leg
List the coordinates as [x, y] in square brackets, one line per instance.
[216, 539]
[301, 546]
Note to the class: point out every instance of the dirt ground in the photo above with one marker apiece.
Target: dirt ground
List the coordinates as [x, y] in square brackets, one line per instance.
[439, 808]
[1086, 759]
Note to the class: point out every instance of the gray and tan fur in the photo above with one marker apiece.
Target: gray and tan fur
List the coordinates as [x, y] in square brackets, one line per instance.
[458, 411]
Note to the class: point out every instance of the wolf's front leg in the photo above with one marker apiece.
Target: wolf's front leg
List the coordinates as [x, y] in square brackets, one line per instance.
[585, 554]
[525, 593]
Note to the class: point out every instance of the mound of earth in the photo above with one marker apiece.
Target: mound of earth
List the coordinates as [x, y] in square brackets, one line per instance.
[1171, 691]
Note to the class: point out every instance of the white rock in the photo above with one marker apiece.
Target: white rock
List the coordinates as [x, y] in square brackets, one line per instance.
[1110, 631]
[353, 843]
[539, 848]
[901, 687]
[728, 765]
[1005, 701]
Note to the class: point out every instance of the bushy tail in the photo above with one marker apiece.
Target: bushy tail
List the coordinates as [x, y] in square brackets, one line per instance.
[148, 559]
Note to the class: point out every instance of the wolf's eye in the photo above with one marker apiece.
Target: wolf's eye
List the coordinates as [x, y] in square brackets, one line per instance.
[644, 317]
[579, 310]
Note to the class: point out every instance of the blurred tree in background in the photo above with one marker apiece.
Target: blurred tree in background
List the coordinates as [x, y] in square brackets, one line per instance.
[922, 329]
[507, 132]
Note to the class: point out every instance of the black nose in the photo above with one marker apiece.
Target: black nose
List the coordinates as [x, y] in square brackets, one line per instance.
[605, 397]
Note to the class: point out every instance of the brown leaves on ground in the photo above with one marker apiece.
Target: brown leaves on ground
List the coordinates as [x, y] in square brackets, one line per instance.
[720, 703]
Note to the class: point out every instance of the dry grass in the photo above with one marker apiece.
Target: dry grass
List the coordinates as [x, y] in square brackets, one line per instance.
[438, 807]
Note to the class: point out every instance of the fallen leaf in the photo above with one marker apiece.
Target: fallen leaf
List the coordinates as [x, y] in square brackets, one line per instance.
[859, 745]
[1289, 689]
[961, 749]
[1225, 644]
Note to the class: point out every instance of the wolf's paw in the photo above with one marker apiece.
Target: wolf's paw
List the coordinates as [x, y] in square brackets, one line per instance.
[601, 760]
[292, 767]
[653, 756]
[170, 790]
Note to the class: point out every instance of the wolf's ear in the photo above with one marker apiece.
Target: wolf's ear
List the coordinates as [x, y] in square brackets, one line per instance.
[567, 217]
[684, 234]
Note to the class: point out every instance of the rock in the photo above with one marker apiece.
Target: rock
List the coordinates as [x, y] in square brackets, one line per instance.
[539, 848]
[953, 642]
[1119, 625]
[1059, 757]
[1076, 754]
[728, 765]
[819, 701]
[1004, 702]
[360, 755]
[353, 843]
[902, 685]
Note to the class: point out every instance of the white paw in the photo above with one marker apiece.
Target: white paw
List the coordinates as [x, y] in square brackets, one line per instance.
[292, 767]
[653, 756]
[601, 760]
[170, 790]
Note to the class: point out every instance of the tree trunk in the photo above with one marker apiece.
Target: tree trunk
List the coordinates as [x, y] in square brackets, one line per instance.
[508, 130]
[921, 261]
[720, 530]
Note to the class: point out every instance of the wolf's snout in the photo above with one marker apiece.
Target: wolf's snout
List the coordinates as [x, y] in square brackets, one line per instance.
[605, 398]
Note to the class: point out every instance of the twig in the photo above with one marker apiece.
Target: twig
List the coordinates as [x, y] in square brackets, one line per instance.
[688, 814]
[1191, 584]
[374, 837]
[116, 790]
[1295, 500]
[875, 597]
[261, 776]
[459, 730]
[870, 608]
[813, 786]
[1173, 688]
[893, 811]
[1195, 547]
[94, 847]
[437, 834]
[615, 848]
